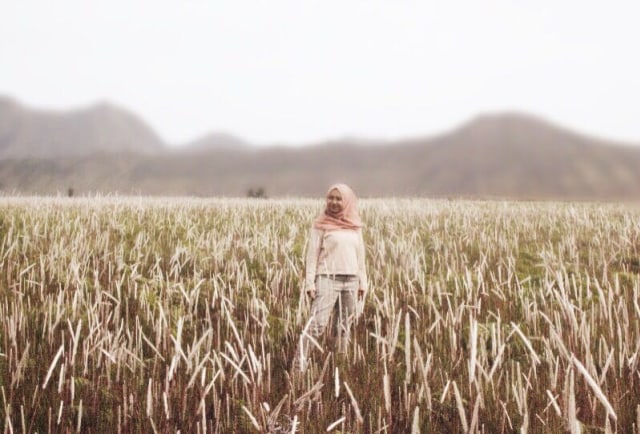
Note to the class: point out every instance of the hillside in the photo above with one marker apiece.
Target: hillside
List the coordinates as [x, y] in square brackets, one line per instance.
[215, 142]
[28, 133]
[506, 155]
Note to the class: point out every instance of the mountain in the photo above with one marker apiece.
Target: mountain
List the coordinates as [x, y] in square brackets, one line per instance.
[500, 155]
[214, 142]
[28, 133]
[517, 155]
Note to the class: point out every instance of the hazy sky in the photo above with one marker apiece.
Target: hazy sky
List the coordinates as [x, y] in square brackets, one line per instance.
[296, 71]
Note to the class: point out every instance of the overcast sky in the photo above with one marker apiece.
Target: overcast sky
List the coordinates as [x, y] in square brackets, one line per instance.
[296, 71]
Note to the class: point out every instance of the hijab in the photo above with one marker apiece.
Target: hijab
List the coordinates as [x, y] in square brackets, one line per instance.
[347, 218]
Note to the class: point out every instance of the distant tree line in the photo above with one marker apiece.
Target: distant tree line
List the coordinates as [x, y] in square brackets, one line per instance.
[257, 193]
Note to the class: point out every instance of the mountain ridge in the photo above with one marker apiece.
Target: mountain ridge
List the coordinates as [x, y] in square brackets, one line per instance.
[101, 127]
[495, 155]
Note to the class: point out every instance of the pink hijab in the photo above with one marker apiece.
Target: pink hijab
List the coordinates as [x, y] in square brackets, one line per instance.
[348, 218]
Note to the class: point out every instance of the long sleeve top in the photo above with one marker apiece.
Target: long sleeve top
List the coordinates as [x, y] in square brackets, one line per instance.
[335, 252]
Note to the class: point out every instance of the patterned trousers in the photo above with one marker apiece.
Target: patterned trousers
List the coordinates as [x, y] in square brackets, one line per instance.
[336, 301]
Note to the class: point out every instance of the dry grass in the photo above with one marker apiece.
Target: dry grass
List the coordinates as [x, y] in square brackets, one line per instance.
[165, 315]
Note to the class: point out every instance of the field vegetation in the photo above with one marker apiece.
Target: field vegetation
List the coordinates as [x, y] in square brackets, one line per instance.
[183, 315]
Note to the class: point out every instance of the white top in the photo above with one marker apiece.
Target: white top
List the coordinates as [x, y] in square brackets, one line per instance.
[335, 252]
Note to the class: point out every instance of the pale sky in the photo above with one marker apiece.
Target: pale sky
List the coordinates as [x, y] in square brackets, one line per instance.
[299, 72]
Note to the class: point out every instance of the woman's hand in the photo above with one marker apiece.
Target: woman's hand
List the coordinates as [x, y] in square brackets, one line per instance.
[361, 293]
[311, 293]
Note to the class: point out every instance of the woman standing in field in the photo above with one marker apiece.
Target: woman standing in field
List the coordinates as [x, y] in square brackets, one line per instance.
[335, 270]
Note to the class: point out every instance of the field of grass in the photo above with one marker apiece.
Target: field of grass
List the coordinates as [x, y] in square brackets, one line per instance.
[126, 315]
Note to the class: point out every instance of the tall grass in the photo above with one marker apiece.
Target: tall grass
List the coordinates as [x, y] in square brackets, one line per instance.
[166, 315]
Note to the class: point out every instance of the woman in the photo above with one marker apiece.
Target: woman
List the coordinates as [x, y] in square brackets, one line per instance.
[335, 269]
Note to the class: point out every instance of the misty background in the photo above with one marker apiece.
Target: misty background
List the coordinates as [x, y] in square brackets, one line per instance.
[464, 99]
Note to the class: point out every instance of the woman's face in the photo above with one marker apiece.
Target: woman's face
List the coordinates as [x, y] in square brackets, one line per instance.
[334, 202]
